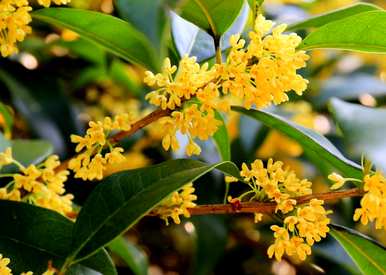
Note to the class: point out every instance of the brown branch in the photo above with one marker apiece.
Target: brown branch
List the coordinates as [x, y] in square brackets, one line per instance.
[269, 207]
[150, 118]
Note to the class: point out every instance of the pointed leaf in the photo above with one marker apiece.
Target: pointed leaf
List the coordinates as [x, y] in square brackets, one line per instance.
[32, 236]
[221, 138]
[363, 32]
[120, 200]
[369, 256]
[213, 16]
[364, 130]
[113, 34]
[323, 19]
[309, 140]
[131, 255]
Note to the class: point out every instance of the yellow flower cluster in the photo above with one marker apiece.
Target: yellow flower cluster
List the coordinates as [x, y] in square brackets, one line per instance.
[5, 270]
[40, 185]
[274, 183]
[300, 231]
[47, 3]
[259, 74]
[14, 20]
[177, 204]
[373, 202]
[265, 70]
[92, 160]
[303, 225]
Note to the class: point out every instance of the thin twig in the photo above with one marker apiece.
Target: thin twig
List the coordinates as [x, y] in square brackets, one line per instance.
[268, 207]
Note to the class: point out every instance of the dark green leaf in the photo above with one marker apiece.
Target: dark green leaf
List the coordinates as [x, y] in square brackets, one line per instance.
[320, 20]
[111, 33]
[131, 255]
[309, 140]
[148, 16]
[120, 200]
[370, 257]
[213, 16]
[31, 109]
[211, 239]
[363, 32]
[364, 130]
[221, 139]
[32, 236]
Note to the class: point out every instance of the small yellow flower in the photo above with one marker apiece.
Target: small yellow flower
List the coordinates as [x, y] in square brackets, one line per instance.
[91, 164]
[338, 180]
[47, 3]
[4, 270]
[258, 217]
[373, 202]
[177, 204]
[6, 157]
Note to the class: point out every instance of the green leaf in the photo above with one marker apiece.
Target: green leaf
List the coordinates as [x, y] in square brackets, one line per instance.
[193, 41]
[81, 48]
[364, 130]
[119, 201]
[221, 138]
[309, 139]
[148, 16]
[7, 117]
[370, 257]
[131, 255]
[31, 151]
[213, 16]
[323, 19]
[211, 239]
[364, 32]
[109, 32]
[32, 111]
[120, 75]
[349, 87]
[32, 236]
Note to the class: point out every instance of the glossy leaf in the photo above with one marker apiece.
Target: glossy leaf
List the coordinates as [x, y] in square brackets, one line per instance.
[221, 138]
[193, 41]
[369, 256]
[109, 32]
[309, 139]
[148, 16]
[213, 16]
[120, 200]
[323, 19]
[364, 130]
[363, 32]
[131, 255]
[32, 236]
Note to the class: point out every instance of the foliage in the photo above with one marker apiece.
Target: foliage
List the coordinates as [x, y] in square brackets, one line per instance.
[116, 115]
